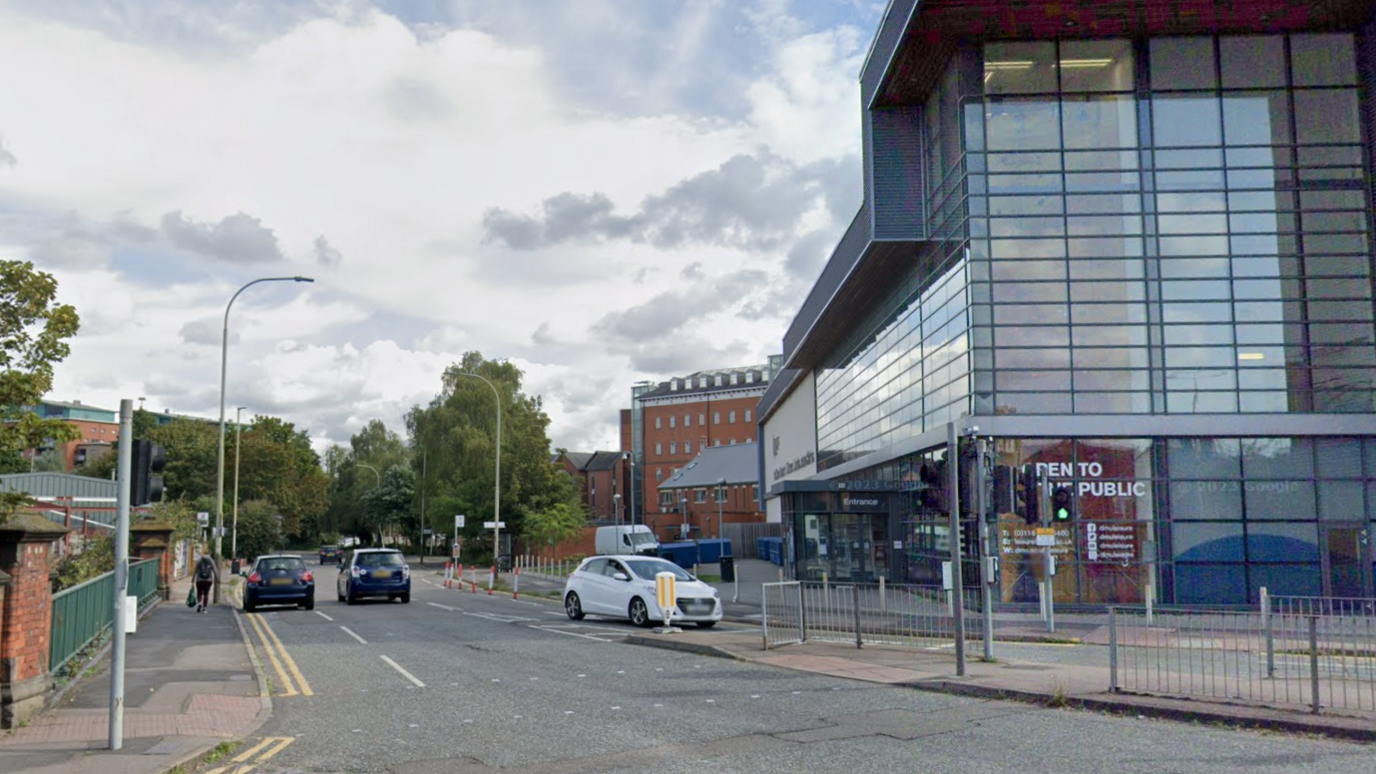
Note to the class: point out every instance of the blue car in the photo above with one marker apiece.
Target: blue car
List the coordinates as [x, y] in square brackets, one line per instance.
[279, 579]
[374, 572]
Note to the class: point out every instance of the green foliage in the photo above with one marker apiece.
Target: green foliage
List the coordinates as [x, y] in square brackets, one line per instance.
[388, 506]
[100, 467]
[97, 557]
[457, 433]
[260, 529]
[34, 330]
[192, 446]
[355, 472]
[49, 462]
[181, 515]
[277, 464]
[553, 525]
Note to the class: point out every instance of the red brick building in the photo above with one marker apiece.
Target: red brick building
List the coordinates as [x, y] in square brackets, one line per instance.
[603, 479]
[671, 422]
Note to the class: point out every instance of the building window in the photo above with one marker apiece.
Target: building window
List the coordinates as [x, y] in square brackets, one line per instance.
[702, 420]
[747, 415]
[673, 421]
[700, 496]
[673, 447]
[658, 424]
[733, 441]
[687, 447]
[659, 475]
[659, 449]
[731, 417]
[716, 442]
[716, 417]
[687, 420]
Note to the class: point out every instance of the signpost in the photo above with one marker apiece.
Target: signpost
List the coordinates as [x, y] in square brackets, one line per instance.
[458, 525]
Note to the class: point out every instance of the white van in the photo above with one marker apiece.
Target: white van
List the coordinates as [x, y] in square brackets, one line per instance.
[627, 539]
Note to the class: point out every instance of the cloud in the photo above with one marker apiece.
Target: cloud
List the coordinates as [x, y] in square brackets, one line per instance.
[7, 159]
[238, 238]
[204, 332]
[326, 254]
[665, 314]
[750, 202]
[70, 240]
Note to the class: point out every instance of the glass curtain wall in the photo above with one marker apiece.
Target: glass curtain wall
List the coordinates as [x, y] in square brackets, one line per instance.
[908, 368]
[1202, 249]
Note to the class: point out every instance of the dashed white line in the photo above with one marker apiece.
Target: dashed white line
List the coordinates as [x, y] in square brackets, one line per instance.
[442, 607]
[322, 615]
[350, 632]
[403, 672]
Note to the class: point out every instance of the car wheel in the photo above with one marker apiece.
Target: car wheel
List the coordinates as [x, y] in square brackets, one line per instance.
[349, 597]
[706, 624]
[573, 606]
[309, 604]
[249, 607]
[406, 598]
[639, 613]
[339, 593]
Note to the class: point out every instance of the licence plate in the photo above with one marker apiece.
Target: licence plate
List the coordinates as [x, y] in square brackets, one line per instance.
[381, 574]
[280, 581]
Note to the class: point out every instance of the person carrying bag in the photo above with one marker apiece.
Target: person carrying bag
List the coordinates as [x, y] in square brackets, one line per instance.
[205, 578]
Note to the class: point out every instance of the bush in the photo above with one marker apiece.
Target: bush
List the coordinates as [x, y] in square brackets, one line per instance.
[96, 558]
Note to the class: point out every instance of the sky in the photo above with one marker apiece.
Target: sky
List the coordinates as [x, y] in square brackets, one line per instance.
[600, 192]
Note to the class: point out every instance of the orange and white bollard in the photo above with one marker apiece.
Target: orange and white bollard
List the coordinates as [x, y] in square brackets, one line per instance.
[458, 573]
[491, 579]
[516, 583]
[448, 573]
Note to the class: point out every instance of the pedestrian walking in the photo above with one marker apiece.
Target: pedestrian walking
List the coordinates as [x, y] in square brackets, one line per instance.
[205, 578]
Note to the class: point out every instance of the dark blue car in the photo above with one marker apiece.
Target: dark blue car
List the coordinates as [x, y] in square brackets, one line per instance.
[374, 572]
[279, 579]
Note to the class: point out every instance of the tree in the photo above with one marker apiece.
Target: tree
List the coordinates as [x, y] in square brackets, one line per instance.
[192, 446]
[354, 472]
[388, 505]
[34, 330]
[50, 461]
[455, 437]
[260, 529]
[277, 464]
[553, 525]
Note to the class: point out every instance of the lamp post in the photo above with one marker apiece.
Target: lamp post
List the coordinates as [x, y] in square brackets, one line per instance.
[234, 530]
[721, 489]
[616, 508]
[497, 478]
[375, 473]
[220, 458]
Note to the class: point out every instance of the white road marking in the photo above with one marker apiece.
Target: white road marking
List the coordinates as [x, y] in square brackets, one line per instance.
[442, 607]
[322, 615]
[403, 672]
[350, 632]
[551, 612]
[498, 617]
[558, 630]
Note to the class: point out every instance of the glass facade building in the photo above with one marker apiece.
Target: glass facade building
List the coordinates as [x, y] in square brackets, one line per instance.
[1142, 264]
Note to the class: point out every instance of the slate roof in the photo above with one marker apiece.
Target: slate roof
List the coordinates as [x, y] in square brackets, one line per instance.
[688, 385]
[738, 464]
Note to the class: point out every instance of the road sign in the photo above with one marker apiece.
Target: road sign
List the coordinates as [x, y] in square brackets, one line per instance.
[494, 525]
[1046, 536]
[458, 521]
[203, 519]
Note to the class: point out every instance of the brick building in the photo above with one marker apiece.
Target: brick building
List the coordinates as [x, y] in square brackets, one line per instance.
[99, 430]
[603, 480]
[672, 421]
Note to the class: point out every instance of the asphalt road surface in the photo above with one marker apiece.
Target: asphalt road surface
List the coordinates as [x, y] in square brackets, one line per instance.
[456, 683]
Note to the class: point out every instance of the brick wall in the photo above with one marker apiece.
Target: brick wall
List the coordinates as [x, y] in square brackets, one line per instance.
[28, 610]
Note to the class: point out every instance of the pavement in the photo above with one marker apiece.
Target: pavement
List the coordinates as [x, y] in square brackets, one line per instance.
[190, 684]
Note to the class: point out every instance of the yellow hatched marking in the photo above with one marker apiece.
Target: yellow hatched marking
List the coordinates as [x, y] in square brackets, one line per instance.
[286, 658]
[252, 751]
[272, 655]
[286, 740]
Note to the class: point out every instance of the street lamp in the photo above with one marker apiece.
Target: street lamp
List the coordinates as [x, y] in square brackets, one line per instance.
[683, 507]
[616, 508]
[721, 487]
[497, 478]
[238, 433]
[220, 461]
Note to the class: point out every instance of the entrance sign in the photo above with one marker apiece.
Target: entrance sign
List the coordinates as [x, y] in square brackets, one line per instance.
[458, 521]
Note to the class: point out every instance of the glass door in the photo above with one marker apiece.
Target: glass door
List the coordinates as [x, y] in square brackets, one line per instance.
[1345, 564]
[854, 548]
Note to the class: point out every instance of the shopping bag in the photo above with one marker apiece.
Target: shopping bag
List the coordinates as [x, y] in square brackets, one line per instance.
[191, 597]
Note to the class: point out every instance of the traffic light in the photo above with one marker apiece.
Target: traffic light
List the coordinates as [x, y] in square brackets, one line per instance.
[969, 478]
[1003, 489]
[145, 485]
[1062, 503]
[934, 492]
[1029, 503]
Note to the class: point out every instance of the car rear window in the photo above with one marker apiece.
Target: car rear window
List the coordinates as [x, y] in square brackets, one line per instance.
[386, 559]
[280, 563]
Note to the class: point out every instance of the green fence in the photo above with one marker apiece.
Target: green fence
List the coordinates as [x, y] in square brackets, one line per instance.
[83, 614]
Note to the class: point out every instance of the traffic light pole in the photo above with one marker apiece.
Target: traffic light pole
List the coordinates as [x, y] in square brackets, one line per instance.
[988, 552]
[1049, 560]
[125, 464]
[953, 504]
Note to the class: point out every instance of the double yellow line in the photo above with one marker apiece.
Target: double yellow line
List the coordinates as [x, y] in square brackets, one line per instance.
[293, 682]
[255, 755]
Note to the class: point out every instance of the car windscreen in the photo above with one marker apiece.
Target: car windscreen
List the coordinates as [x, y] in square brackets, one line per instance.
[385, 559]
[642, 538]
[644, 568]
[280, 563]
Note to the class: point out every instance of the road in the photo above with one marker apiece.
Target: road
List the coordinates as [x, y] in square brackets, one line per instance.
[458, 682]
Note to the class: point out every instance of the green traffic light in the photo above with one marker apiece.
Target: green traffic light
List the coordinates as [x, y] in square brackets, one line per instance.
[1062, 514]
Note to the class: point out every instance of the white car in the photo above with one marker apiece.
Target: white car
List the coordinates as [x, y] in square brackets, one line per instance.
[624, 587]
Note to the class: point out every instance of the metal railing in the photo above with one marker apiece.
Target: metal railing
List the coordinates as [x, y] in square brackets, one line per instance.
[82, 614]
[795, 611]
[1312, 652]
[558, 569]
